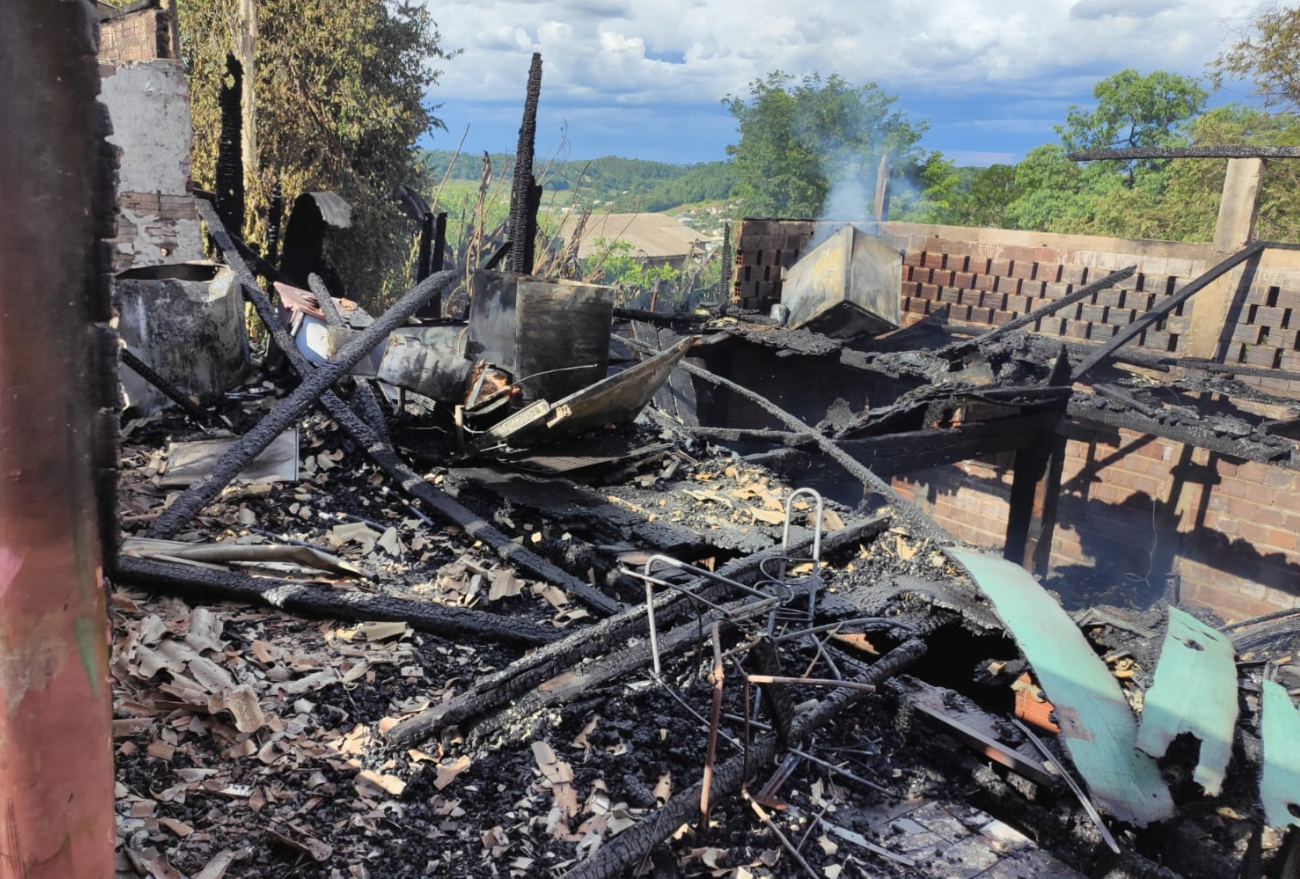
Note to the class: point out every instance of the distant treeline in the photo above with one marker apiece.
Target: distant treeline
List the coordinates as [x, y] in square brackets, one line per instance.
[623, 184]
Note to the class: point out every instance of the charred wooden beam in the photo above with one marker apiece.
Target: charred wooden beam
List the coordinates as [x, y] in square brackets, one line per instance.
[1188, 152]
[382, 453]
[198, 584]
[1157, 313]
[525, 195]
[1036, 483]
[424, 256]
[490, 692]
[1281, 453]
[631, 846]
[314, 386]
[367, 400]
[439, 244]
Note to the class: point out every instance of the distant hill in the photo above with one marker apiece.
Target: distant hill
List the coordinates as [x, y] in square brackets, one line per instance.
[610, 182]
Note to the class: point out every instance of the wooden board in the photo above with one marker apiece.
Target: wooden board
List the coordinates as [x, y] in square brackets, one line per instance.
[1097, 726]
[1195, 691]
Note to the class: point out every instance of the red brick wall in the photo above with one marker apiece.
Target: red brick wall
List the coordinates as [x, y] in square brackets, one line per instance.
[142, 35]
[989, 284]
[1136, 510]
[1137, 513]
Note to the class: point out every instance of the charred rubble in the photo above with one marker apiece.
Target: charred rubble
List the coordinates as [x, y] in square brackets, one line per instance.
[513, 580]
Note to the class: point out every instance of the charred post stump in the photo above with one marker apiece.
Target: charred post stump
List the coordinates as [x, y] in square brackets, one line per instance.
[525, 194]
[424, 256]
[439, 243]
[274, 219]
[230, 156]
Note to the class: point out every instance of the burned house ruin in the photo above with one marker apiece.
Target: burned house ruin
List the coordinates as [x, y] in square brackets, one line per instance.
[929, 551]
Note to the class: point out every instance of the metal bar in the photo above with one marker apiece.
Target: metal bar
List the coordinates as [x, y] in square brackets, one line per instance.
[1083, 798]
[1190, 152]
[817, 545]
[1047, 310]
[812, 682]
[1132, 330]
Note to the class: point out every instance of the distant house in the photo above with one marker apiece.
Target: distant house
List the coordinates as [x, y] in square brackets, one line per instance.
[657, 238]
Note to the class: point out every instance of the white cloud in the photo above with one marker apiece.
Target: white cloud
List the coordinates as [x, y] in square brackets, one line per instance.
[613, 52]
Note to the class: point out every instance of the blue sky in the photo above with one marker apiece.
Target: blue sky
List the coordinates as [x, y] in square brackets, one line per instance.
[645, 78]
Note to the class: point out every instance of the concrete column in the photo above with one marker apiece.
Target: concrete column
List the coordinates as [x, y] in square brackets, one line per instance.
[1238, 211]
[56, 369]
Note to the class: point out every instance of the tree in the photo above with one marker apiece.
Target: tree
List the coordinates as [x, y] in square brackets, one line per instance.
[341, 88]
[982, 196]
[1133, 111]
[798, 139]
[1270, 57]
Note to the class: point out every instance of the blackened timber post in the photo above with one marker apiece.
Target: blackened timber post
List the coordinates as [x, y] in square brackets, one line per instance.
[439, 243]
[523, 199]
[425, 254]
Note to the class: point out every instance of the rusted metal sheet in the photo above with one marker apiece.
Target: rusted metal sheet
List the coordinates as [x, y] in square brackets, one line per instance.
[1097, 726]
[428, 362]
[1195, 691]
[1280, 730]
[849, 285]
[551, 335]
[614, 400]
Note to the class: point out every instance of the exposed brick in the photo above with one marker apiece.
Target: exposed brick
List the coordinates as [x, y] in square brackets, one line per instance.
[985, 282]
[1074, 274]
[1007, 285]
[993, 300]
[1046, 271]
[1032, 288]
[1022, 269]
[943, 277]
[963, 279]
[932, 259]
[977, 265]
[1000, 267]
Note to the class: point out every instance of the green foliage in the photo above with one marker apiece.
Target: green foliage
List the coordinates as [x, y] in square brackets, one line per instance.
[982, 196]
[611, 182]
[341, 88]
[617, 265]
[1269, 57]
[798, 138]
[1133, 111]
